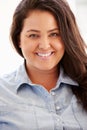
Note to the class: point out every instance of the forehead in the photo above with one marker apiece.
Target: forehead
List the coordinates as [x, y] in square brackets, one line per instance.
[40, 18]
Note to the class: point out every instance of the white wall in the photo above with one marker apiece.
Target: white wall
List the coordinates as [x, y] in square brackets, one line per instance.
[72, 4]
[81, 9]
[9, 60]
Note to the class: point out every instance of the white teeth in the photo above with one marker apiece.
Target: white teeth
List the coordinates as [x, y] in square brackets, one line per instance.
[44, 54]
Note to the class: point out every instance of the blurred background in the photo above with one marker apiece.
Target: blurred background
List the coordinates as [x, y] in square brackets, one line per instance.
[9, 59]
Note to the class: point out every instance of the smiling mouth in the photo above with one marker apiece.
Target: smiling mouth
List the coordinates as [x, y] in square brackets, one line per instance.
[45, 54]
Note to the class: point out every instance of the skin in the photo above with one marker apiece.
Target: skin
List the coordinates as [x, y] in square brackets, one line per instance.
[42, 47]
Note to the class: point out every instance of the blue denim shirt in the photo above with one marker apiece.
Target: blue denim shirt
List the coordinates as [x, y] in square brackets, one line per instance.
[27, 106]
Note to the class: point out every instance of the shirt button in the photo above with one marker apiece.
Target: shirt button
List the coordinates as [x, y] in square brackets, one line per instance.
[58, 119]
[57, 108]
[52, 93]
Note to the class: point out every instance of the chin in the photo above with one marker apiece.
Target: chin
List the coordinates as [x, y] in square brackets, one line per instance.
[45, 68]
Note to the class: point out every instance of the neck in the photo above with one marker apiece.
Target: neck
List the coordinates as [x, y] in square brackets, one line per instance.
[46, 78]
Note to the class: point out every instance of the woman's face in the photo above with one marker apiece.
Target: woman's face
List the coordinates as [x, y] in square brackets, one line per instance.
[40, 41]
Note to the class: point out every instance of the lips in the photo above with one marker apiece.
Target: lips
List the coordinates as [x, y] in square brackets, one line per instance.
[44, 54]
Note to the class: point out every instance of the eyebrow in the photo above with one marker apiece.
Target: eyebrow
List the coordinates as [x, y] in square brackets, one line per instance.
[33, 30]
[55, 29]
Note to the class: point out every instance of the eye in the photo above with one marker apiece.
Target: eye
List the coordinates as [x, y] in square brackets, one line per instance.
[33, 36]
[54, 35]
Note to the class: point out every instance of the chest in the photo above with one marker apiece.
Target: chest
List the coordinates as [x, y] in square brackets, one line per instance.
[31, 117]
[35, 110]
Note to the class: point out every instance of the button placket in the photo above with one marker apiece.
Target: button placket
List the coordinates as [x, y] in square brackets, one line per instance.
[57, 108]
[58, 121]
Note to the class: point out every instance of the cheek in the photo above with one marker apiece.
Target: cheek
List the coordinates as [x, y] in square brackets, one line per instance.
[59, 46]
[27, 49]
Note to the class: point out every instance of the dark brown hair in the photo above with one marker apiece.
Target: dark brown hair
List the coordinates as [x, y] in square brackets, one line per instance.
[74, 61]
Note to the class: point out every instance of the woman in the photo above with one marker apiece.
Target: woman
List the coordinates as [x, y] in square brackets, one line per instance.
[49, 91]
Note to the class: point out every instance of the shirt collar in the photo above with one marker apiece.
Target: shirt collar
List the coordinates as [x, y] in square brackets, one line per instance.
[63, 78]
[23, 78]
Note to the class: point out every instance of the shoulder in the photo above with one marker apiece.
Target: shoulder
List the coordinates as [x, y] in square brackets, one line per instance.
[15, 78]
[12, 77]
[8, 78]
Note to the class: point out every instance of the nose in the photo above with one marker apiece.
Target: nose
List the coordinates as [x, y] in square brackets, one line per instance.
[44, 43]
